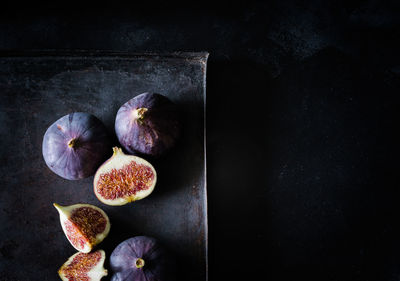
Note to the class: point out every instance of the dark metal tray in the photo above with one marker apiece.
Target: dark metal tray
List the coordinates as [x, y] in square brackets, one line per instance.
[36, 89]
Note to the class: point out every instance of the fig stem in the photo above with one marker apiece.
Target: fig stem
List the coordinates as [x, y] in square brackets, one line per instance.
[139, 263]
[72, 143]
[139, 114]
[117, 150]
[58, 207]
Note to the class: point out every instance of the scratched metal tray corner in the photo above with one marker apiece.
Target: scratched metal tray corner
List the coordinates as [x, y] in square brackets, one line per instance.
[37, 88]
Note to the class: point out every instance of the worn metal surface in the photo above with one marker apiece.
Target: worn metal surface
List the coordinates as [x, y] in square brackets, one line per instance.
[38, 88]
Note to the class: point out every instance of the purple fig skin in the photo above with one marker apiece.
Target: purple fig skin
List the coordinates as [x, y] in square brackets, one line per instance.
[75, 145]
[149, 124]
[156, 263]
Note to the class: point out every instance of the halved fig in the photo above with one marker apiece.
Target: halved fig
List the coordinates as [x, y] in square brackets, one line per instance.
[124, 178]
[84, 225]
[84, 267]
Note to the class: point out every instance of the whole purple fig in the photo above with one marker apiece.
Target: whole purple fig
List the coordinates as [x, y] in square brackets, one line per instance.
[141, 258]
[75, 145]
[148, 124]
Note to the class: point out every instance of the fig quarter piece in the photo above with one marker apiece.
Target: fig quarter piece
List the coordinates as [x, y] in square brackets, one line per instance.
[84, 267]
[84, 225]
[123, 179]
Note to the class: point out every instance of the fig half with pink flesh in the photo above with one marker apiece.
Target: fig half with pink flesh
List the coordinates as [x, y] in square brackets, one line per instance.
[84, 267]
[84, 225]
[123, 179]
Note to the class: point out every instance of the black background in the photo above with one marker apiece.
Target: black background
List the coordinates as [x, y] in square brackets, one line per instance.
[302, 109]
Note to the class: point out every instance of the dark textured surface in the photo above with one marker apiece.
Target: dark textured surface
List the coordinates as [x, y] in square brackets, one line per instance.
[36, 91]
[302, 109]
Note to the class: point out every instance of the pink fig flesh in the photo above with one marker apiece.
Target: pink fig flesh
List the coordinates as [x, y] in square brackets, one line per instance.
[84, 225]
[84, 267]
[123, 179]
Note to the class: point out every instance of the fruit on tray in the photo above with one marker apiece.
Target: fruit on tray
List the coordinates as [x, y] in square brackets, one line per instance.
[141, 258]
[84, 267]
[84, 225]
[149, 124]
[124, 178]
[75, 145]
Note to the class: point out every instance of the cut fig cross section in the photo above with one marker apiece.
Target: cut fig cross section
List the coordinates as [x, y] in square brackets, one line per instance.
[123, 179]
[84, 267]
[84, 225]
